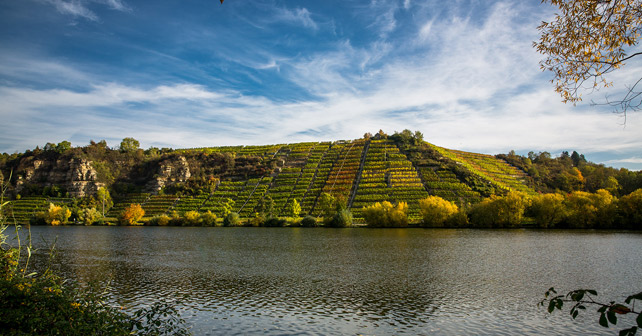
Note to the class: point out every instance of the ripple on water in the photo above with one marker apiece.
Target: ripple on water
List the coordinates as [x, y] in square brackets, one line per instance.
[348, 282]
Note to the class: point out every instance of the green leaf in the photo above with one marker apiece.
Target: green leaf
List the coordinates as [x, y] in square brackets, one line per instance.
[551, 306]
[628, 332]
[575, 312]
[637, 296]
[579, 296]
[591, 291]
[611, 316]
[639, 320]
[603, 321]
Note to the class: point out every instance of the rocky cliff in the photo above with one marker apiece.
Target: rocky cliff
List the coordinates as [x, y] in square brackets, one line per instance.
[76, 176]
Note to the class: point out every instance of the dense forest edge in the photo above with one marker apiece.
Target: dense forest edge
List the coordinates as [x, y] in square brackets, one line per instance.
[379, 180]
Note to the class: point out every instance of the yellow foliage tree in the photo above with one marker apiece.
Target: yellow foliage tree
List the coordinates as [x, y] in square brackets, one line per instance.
[436, 210]
[384, 214]
[630, 207]
[589, 210]
[56, 215]
[131, 215]
[192, 218]
[499, 211]
[587, 40]
[547, 209]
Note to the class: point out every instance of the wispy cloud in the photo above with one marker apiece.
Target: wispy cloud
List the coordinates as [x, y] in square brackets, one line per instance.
[466, 80]
[75, 8]
[625, 160]
[80, 8]
[298, 16]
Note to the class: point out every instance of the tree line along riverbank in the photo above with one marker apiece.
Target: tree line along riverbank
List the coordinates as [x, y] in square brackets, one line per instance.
[379, 180]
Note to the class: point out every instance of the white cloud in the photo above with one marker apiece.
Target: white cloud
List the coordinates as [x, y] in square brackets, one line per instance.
[466, 84]
[299, 16]
[625, 160]
[117, 5]
[75, 8]
[79, 8]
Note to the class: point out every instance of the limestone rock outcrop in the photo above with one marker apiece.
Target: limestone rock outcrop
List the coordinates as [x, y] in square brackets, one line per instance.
[171, 170]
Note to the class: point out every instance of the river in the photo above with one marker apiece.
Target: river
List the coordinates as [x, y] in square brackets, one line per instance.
[316, 281]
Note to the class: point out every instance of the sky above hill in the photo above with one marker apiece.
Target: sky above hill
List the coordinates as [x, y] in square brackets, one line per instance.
[195, 73]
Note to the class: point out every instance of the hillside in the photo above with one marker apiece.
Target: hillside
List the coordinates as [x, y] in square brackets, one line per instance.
[360, 172]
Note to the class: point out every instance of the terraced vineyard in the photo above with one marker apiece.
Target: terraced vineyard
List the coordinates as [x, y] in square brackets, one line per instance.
[445, 184]
[387, 175]
[24, 209]
[361, 172]
[491, 168]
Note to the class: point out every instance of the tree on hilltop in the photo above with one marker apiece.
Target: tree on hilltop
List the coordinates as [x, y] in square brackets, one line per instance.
[129, 145]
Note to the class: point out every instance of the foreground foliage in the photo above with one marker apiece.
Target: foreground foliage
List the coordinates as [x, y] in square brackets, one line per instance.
[45, 304]
[589, 40]
[608, 312]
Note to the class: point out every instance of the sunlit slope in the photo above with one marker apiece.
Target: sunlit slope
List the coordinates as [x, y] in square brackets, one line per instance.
[488, 167]
[360, 172]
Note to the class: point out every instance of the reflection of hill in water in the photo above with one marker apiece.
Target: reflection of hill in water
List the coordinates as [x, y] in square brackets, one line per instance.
[349, 281]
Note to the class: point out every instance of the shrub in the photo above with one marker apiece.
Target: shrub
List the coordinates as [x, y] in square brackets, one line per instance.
[436, 211]
[499, 211]
[275, 222]
[342, 218]
[386, 215]
[309, 221]
[192, 218]
[630, 207]
[232, 219]
[88, 216]
[208, 219]
[131, 215]
[56, 215]
[293, 208]
[587, 210]
[258, 220]
[547, 209]
[45, 304]
[161, 220]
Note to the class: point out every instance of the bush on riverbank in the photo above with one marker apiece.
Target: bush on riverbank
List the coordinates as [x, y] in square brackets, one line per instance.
[579, 209]
[435, 211]
[384, 214]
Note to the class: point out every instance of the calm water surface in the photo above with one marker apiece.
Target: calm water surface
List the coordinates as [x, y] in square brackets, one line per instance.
[301, 281]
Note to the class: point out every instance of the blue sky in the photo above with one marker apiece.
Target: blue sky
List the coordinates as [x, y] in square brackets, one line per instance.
[195, 73]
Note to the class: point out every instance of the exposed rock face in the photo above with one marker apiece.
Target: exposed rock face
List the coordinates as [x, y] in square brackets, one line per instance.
[77, 176]
[170, 171]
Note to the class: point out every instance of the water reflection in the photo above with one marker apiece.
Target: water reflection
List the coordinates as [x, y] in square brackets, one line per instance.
[350, 281]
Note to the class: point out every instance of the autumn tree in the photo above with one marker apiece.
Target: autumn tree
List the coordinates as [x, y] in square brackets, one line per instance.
[587, 41]
[547, 209]
[88, 216]
[56, 215]
[436, 210]
[499, 211]
[293, 208]
[384, 214]
[590, 210]
[131, 215]
[630, 208]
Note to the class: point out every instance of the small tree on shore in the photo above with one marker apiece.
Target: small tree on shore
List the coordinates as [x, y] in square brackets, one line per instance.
[131, 215]
[436, 211]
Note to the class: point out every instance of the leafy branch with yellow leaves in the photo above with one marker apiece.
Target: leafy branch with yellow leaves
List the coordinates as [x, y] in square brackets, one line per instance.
[588, 40]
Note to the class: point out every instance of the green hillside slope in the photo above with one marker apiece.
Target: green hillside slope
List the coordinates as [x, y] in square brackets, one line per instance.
[361, 172]
[244, 179]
